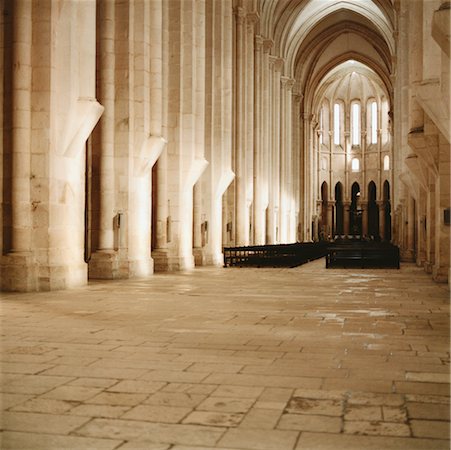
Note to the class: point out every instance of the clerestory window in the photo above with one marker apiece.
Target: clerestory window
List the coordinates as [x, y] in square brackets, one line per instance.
[337, 124]
[355, 123]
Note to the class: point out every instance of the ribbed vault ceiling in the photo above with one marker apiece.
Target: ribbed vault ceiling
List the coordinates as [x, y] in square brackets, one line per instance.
[314, 36]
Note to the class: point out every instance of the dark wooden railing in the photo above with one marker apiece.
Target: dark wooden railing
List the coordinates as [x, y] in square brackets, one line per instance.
[362, 254]
[282, 255]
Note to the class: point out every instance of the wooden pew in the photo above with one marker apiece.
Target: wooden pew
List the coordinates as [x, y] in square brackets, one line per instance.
[362, 254]
[283, 255]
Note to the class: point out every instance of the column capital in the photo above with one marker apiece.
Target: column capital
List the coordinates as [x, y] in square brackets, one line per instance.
[240, 14]
[259, 42]
[252, 17]
[277, 62]
[267, 45]
[287, 82]
[297, 97]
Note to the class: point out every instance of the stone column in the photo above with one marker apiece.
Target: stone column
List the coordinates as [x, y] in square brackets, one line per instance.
[330, 220]
[364, 206]
[197, 225]
[19, 271]
[273, 222]
[266, 139]
[259, 182]
[430, 226]
[21, 127]
[307, 188]
[409, 251]
[103, 263]
[440, 271]
[285, 157]
[241, 216]
[381, 207]
[346, 212]
[251, 20]
[297, 166]
[106, 126]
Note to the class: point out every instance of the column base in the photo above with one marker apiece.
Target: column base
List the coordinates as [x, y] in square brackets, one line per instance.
[19, 272]
[165, 262]
[67, 276]
[440, 274]
[407, 256]
[108, 265]
[200, 258]
[204, 258]
[428, 266]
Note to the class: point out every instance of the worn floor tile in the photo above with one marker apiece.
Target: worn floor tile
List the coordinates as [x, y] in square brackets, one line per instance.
[310, 422]
[279, 359]
[300, 405]
[259, 439]
[430, 428]
[164, 414]
[329, 441]
[376, 428]
[210, 418]
[42, 441]
[151, 432]
[226, 404]
[40, 423]
[265, 419]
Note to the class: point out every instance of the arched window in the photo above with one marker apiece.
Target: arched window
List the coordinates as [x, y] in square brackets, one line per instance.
[373, 122]
[337, 124]
[355, 164]
[386, 162]
[355, 123]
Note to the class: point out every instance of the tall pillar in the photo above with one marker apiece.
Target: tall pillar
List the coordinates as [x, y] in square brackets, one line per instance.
[297, 167]
[273, 213]
[251, 20]
[104, 262]
[365, 212]
[21, 127]
[381, 207]
[330, 219]
[307, 188]
[285, 158]
[259, 179]
[19, 271]
[197, 225]
[346, 212]
[241, 216]
[266, 137]
[409, 229]
[430, 226]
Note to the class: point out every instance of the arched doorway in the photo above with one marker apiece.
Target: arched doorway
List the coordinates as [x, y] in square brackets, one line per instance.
[373, 212]
[387, 209]
[339, 228]
[355, 219]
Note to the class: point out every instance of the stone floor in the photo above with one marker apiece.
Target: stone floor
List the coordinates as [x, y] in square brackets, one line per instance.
[267, 359]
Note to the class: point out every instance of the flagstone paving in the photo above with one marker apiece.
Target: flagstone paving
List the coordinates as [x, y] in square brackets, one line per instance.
[237, 359]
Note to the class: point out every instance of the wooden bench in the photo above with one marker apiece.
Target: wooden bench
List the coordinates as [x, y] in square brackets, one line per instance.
[283, 255]
[363, 254]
